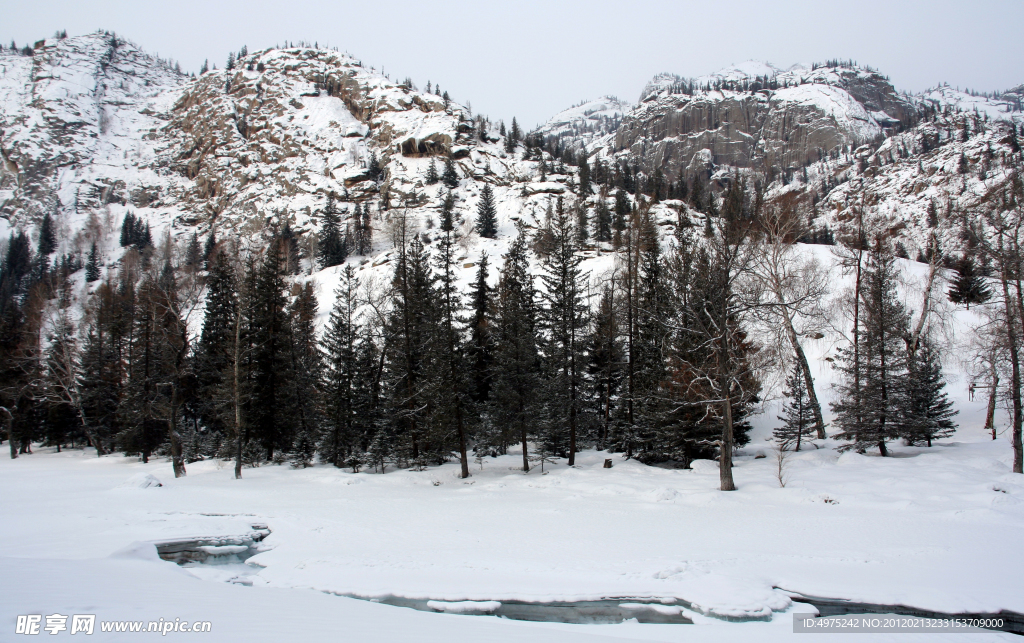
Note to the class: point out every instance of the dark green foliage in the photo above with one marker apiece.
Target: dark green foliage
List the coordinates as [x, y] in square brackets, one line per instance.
[345, 432]
[565, 318]
[450, 177]
[797, 415]
[432, 176]
[487, 214]
[47, 236]
[602, 222]
[271, 415]
[92, 267]
[135, 232]
[515, 381]
[333, 244]
[929, 413]
[871, 404]
[969, 287]
[480, 350]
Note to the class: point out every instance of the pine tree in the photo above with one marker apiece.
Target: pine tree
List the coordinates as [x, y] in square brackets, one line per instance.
[432, 176]
[209, 247]
[373, 167]
[341, 343]
[487, 214]
[205, 68]
[450, 177]
[565, 318]
[307, 372]
[603, 222]
[929, 412]
[447, 363]
[969, 287]
[606, 359]
[332, 246]
[193, 253]
[216, 349]
[47, 236]
[272, 421]
[515, 380]
[480, 351]
[797, 414]
[92, 267]
[871, 404]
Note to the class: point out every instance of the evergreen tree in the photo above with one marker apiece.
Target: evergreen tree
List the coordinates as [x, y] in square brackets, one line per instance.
[92, 267]
[193, 253]
[409, 327]
[515, 382]
[487, 214]
[871, 405]
[450, 177]
[209, 247]
[565, 317]
[929, 414]
[270, 416]
[797, 414]
[584, 173]
[606, 359]
[216, 349]
[332, 247]
[307, 370]
[603, 222]
[341, 343]
[432, 176]
[969, 287]
[447, 363]
[373, 167]
[47, 236]
[480, 351]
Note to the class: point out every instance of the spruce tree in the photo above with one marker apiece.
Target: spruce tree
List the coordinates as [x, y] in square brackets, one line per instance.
[606, 359]
[92, 267]
[565, 318]
[432, 176]
[480, 351]
[602, 222]
[193, 252]
[515, 380]
[216, 349]
[307, 373]
[332, 247]
[47, 236]
[969, 287]
[929, 412]
[797, 415]
[341, 343]
[487, 214]
[447, 363]
[871, 405]
[271, 412]
[450, 177]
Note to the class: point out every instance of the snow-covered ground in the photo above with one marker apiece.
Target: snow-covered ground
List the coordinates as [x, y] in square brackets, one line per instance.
[933, 528]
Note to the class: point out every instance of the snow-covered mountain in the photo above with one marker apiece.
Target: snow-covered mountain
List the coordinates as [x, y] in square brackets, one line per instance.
[580, 125]
[93, 127]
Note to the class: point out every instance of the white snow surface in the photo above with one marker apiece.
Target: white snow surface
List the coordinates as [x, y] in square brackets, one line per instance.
[934, 528]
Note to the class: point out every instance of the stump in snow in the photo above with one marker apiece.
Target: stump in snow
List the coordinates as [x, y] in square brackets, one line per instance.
[607, 463]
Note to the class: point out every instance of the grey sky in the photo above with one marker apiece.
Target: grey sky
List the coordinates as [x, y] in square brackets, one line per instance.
[533, 58]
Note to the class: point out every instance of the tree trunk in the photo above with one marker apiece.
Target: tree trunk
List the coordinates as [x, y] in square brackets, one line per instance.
[237, 394]
[990, 415]
[805, 368]
[915, 337]
[1013, 341]
[9, 427]
[725, 454]
[172, 431]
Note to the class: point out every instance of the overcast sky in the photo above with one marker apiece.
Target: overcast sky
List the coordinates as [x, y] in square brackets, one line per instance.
[532, 59]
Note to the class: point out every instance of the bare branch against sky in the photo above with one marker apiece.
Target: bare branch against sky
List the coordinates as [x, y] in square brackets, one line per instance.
[533, 58]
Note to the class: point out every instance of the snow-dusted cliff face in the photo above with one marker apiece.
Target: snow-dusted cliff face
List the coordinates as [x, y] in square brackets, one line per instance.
[79, 122]
[92, 127]
[581, 125]
[755, 115]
